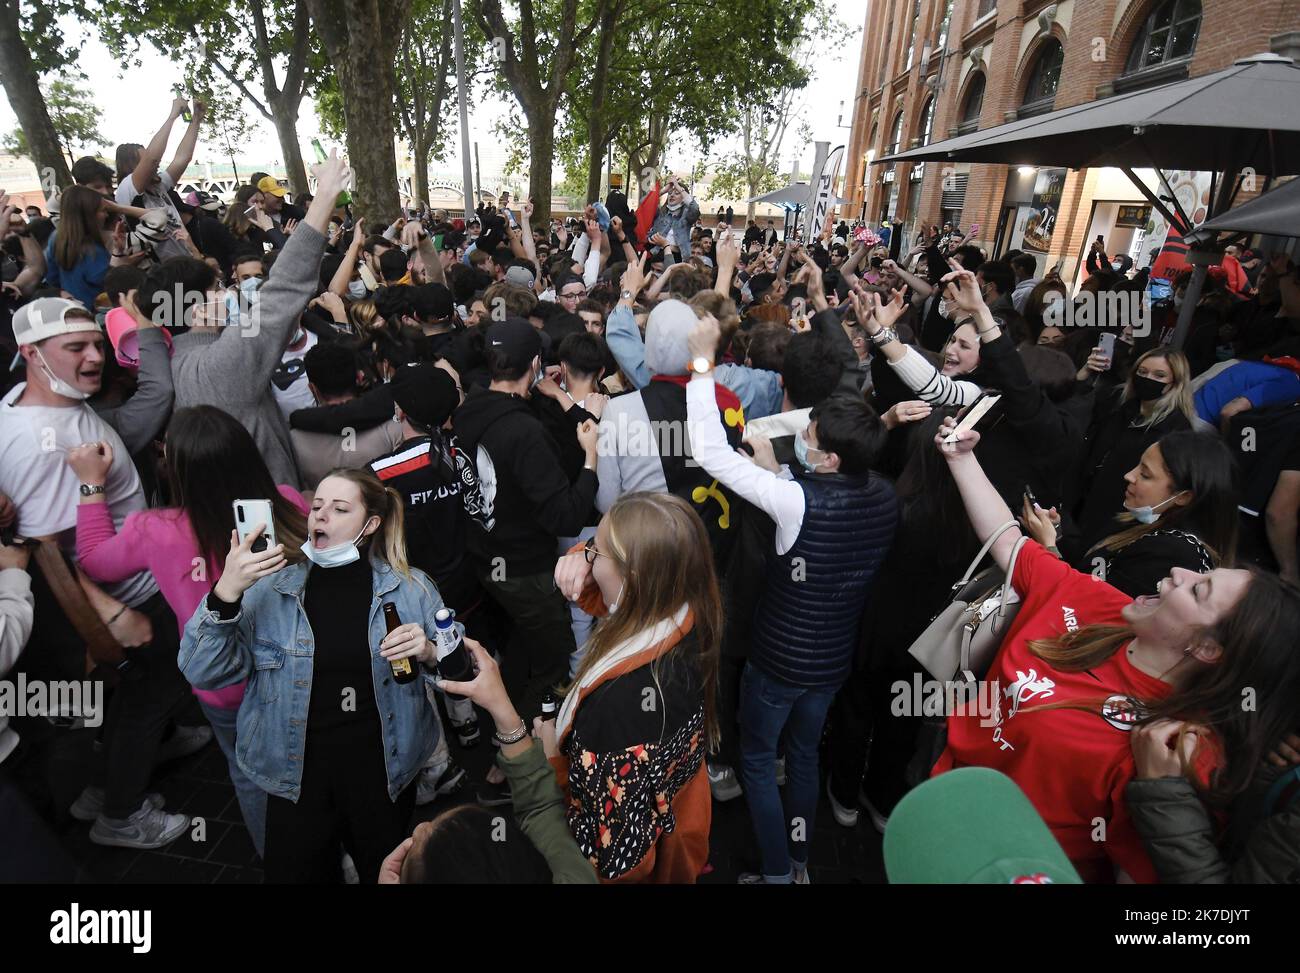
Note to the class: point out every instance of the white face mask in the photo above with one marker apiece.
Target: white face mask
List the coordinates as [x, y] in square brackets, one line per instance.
[336, 556]
[357, 289]
[1148, 515]
[57, 385]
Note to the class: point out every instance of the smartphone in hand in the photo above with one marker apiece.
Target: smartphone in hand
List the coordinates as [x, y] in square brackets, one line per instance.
[250, 513]
[971, 417]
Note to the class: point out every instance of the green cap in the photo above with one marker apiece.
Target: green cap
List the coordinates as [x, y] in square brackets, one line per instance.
[972, 826]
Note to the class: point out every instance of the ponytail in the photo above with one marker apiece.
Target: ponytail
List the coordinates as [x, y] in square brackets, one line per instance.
[385, 503]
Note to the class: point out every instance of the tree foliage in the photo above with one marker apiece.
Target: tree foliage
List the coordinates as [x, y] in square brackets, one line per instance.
[75, 118]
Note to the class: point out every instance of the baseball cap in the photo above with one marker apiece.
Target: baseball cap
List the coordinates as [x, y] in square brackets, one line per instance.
[426, 393]
[521, 276]
[514, 342]
[268, 184]
[47, 317]
[154, 227]
[972, 826]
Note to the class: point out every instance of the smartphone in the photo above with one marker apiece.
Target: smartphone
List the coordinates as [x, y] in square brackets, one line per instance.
[250, 513]
[1107, 345]
[1029, 495]
[971, 417]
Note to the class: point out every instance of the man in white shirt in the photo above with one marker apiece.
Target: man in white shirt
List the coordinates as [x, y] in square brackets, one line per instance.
[42, 422]
[140, 183]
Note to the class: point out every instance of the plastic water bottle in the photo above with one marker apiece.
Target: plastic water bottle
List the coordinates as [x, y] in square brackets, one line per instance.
[454, 663]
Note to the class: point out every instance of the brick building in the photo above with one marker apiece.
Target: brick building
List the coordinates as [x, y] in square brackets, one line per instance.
[934, 69]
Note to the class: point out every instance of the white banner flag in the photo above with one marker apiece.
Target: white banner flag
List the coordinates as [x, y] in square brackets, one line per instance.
[824, 192]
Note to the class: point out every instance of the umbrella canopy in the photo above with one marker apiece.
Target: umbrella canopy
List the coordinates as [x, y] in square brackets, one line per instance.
[1276, 213]
[795, 194]
[1245, 115]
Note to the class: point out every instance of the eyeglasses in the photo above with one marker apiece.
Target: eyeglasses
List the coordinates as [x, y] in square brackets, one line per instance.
[589, 551]
[575, 295]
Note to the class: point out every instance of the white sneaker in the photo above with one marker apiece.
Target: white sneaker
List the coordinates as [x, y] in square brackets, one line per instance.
[350, 876]
[801, 877]
[89, 804]
[147, 828]
[723, 782]
[878, 820]
[845, 817]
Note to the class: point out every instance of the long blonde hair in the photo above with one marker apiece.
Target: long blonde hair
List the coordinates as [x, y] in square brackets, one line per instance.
[662, 551]
[1178, 398]
[385, 503]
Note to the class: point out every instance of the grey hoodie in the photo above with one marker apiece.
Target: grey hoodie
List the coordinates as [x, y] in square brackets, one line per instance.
[231, 369]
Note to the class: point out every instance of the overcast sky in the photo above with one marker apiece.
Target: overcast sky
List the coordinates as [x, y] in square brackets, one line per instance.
[134, 102]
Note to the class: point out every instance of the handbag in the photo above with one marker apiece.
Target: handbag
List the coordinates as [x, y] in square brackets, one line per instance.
[959, 644]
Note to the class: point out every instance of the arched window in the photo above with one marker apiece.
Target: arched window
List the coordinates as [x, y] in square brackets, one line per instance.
[895, 135]
[973, 105]
[927, 123]
[1044, 77]
[1169, 35]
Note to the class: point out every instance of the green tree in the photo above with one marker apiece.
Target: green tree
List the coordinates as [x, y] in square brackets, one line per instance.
[537, 48]
[32, 44]
[73, 114]
[224, 44]
[424, 71]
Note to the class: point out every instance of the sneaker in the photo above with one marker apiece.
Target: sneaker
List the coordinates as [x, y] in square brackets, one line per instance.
[845, 817]
[429, 788]
[349, 870]
[494, 795]
[467, 733]
[755, 878]
[780, 771]
[185, 741]
[801, 877]
[89, 804]
[878, 820]
[723, 782]
[149, 827]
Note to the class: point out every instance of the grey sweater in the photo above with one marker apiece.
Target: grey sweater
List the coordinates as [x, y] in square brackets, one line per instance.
[232, 369]
[141, 418]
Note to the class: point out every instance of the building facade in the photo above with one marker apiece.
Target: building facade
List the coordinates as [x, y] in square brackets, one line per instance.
[934, 69]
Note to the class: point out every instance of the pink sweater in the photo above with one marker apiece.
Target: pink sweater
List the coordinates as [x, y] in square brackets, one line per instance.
[161, 542]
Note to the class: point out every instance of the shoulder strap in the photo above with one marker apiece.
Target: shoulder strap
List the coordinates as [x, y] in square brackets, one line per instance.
[988, 545]
[101, 646]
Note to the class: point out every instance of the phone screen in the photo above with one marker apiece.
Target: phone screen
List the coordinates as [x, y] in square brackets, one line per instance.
[1107, 345]
[974, 414]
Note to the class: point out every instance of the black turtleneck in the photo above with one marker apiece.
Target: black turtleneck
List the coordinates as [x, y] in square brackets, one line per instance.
[337, 601]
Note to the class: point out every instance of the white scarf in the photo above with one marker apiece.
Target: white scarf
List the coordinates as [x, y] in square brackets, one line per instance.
[637, 643]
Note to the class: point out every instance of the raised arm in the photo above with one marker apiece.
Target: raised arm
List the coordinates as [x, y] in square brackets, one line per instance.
[348, 265]
[984, 505]
[185, 151]
[931, 385]
[151, 157]
[621, 333]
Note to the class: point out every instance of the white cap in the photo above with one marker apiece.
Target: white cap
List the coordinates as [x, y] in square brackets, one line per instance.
[47, 317]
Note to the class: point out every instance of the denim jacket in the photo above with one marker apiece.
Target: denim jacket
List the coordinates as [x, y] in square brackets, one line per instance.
[270, 644]
[680, 224]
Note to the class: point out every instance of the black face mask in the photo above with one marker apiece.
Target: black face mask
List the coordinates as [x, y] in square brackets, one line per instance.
[1148, 389]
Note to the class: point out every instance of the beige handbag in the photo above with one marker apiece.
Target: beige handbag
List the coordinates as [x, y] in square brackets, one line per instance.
[963, 638]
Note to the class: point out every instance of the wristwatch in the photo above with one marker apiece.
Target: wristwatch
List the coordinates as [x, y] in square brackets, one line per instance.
[627, 295]
[883, 337]
[700, 365]
[90, 489]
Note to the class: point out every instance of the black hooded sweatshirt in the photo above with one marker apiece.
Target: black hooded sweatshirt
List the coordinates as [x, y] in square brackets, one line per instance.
[525, 501]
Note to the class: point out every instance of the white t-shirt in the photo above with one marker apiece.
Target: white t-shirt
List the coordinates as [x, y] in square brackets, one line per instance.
[289, 380]
[126, 193]
[34, 444]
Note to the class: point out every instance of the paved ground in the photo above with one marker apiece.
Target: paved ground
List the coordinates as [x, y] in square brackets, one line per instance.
[200, 785]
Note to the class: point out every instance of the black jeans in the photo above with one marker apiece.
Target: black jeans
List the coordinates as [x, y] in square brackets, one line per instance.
[867, 737]
[343, 802]
[536, 659]
[149, 694]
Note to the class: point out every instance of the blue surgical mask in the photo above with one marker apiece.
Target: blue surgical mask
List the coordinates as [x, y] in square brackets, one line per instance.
[357, 289]
[1148, 515]
[801, 449]
[337, 556]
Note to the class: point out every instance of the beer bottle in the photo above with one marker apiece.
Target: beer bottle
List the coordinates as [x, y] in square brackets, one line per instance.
[404, 670]
[550, 707]
[454, 662]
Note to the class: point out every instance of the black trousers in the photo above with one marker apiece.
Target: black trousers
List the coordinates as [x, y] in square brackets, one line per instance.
[149, 694]
[536, 659]
[344, 801]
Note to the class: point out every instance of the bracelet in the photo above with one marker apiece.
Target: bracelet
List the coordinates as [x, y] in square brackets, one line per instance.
[987, 330]
[515, 737]
[117, 616]
[120, 254]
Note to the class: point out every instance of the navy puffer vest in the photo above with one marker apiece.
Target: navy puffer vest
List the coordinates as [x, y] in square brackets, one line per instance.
[806, 623]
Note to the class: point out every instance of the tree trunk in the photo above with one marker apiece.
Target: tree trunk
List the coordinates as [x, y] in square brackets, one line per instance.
[597, 135]
[286, 128]
[420, 181]
[356, 37]
[541, 155]
[22, 85]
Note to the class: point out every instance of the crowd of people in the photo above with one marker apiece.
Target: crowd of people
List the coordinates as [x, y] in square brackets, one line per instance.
[692, 493]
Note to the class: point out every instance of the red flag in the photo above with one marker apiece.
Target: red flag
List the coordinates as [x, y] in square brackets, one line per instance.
[645, 214]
